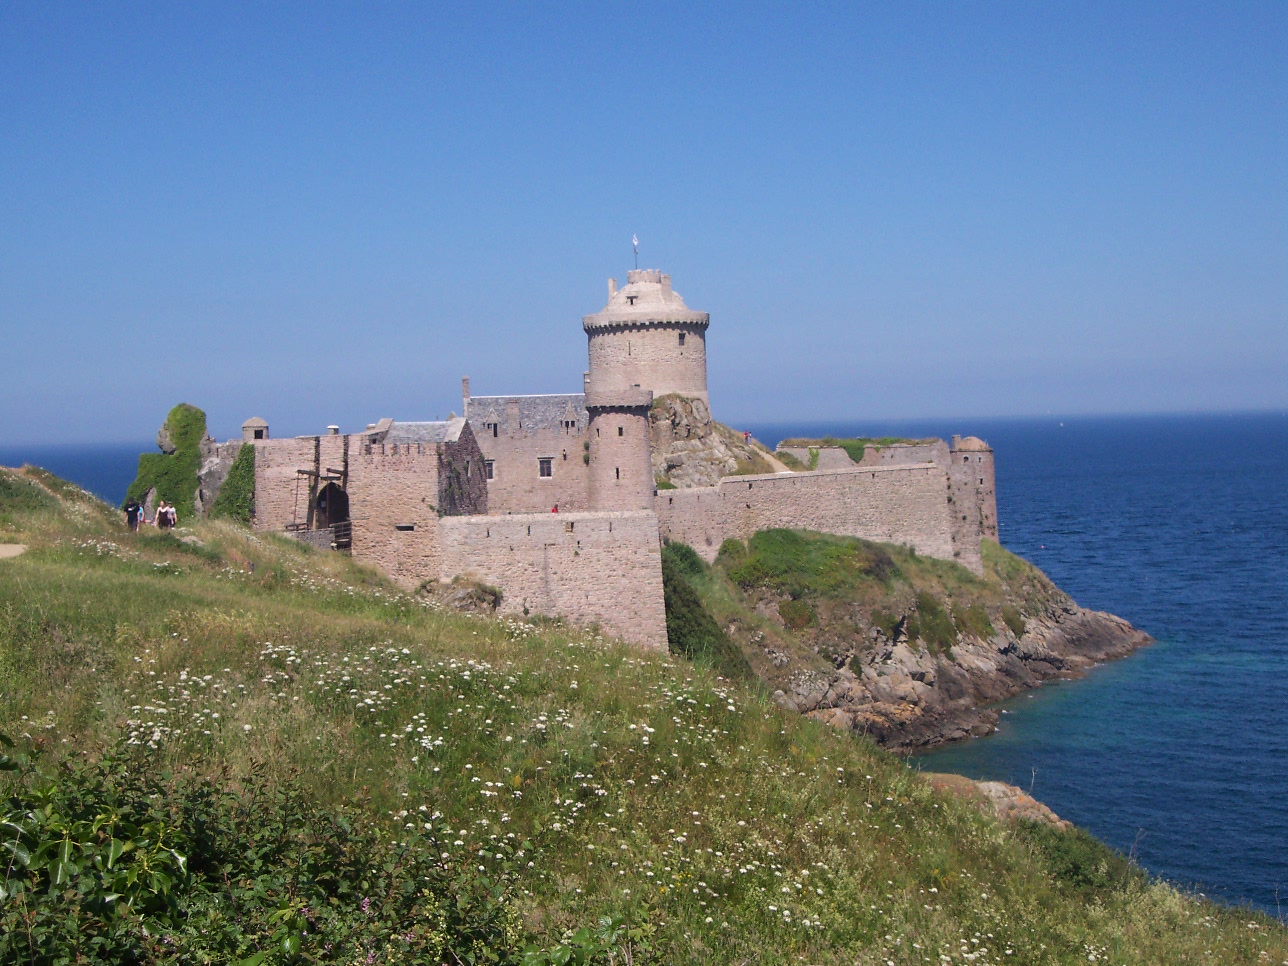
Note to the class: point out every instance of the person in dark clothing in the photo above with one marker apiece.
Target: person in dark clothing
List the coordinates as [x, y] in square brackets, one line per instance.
[132, 512]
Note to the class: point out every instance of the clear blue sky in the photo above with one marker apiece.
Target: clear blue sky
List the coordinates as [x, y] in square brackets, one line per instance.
[324, 213]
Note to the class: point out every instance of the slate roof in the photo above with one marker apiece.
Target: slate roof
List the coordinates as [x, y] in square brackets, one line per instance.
[534, 412]
[446, 431]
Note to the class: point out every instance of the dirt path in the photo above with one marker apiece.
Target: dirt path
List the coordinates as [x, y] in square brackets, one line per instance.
[11, 549]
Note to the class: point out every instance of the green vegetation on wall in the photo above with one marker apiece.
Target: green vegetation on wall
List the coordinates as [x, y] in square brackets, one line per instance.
[854, 446]
[174, 475]
[691, 631]
[236, 499]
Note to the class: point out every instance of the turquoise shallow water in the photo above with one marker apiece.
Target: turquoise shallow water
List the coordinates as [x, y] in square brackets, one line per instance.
[1179, 753]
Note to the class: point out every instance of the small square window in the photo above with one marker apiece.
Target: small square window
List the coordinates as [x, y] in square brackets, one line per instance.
[546, 466]
[681, 338]
[620, 431]
[488, 470]
[259, 434]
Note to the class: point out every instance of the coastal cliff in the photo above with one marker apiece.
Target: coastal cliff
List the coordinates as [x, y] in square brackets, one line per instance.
[875, 639]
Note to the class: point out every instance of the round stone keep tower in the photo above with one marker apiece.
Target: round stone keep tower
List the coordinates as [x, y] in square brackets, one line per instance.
[647, 338]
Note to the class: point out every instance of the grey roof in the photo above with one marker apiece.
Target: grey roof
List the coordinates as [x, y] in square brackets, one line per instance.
[447, 431]
[532, 411]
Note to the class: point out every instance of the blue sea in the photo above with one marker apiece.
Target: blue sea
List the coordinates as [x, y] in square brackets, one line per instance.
[1177, 755]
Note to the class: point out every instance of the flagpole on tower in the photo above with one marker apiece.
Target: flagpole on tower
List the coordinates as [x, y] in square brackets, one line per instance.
[635, 244]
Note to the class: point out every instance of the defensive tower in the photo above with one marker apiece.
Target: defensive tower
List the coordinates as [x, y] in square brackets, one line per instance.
[646, 338]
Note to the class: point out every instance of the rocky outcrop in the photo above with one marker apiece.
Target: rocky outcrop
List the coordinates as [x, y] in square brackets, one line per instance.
[216, 460]
[1008, 803]
[692, 449]
[910, 698]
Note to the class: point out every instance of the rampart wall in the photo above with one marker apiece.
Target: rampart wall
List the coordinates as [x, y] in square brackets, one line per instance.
[896, 504]
[600, 568]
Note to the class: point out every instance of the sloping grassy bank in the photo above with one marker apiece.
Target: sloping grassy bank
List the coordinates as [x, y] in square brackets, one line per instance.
[352, 774]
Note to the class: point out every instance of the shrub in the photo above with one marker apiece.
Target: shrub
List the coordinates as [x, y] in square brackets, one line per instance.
[1077, 860]
[112, 862]
[797, 614]
[685, 559]
[732, 553]
[1013, 619]
[974, 620]
[690, 630]
[790, 461]
[932, 624]
[174, 475]
[236, 499]
[20, 496]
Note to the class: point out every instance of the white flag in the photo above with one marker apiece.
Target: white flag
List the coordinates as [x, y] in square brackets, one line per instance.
[635, 243]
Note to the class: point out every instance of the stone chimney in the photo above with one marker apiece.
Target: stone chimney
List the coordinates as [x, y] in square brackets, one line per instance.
[333, 430]
[465, 395]
[612, 287]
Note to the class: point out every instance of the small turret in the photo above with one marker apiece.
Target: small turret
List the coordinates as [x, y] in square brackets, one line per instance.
[253, 429]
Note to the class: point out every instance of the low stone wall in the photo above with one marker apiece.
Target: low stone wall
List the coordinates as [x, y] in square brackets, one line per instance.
[603, 568]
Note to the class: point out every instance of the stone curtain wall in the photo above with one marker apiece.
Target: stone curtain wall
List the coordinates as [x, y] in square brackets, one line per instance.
[889, 504]
[651, 358]
[600, 568]
[693, 515]
[897, 504]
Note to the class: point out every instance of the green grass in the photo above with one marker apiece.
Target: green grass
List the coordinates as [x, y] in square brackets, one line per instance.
[651, 788]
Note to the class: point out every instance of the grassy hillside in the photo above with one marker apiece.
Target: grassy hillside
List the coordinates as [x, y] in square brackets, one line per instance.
[354, 774]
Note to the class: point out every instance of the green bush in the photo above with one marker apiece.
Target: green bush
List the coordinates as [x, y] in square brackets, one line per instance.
[797, 614]
[236, 499]
[1013, 619]
[174, 475]
[790, 461]
[732, 553]
[974, 620]
[1078, 861]
[690, 630]
[114, 862]
[932, 624]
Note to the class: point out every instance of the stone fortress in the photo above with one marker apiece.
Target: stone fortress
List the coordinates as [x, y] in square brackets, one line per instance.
[559, 500]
